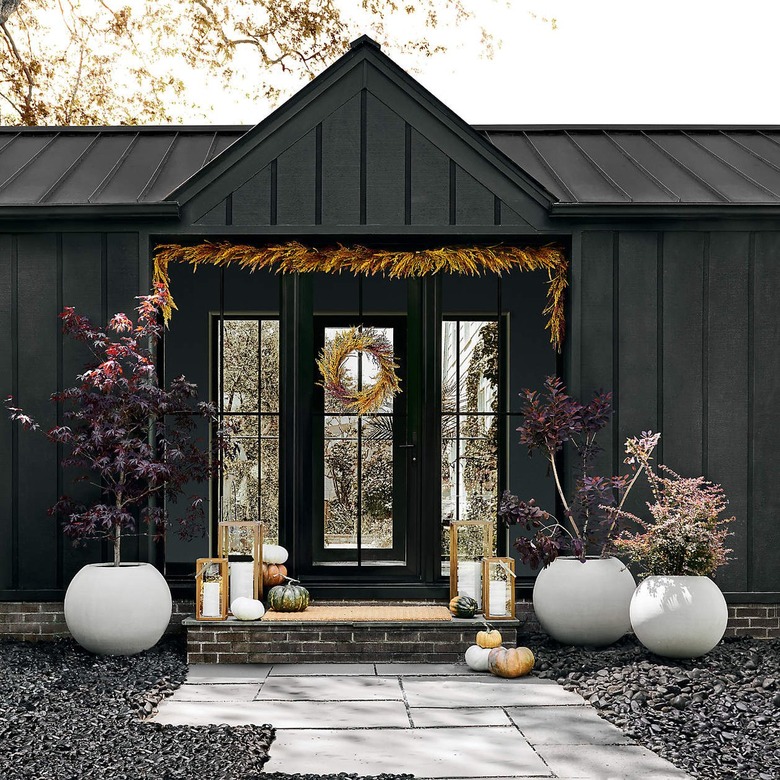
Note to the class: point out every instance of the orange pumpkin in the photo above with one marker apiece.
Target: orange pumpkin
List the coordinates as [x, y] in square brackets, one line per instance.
[489, 638]
[510, 661]
[273, 574]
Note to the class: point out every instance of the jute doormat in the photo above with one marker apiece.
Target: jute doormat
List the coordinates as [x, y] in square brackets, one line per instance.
[377, 614]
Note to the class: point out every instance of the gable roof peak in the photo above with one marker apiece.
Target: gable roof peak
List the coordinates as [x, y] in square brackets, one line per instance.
[365, 40]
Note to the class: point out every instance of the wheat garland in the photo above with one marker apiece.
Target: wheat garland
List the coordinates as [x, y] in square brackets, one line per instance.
[294, 257]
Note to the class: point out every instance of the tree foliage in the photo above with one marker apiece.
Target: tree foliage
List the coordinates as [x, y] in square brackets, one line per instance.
[125, 434]
[550, 421]
[84, 62]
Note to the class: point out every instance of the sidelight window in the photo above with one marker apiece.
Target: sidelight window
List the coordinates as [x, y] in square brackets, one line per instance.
[469, 423]
[248, 386]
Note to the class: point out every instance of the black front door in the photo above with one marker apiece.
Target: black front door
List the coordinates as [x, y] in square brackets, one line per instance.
[363, 467]
[357, 501]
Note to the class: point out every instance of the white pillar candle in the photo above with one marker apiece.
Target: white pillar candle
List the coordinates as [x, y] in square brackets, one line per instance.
[498, 595]
[470, 580]
[242, 580]
[210, 605]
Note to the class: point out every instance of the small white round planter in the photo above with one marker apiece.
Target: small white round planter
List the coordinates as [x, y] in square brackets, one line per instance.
[584, 603]
[118, 610]
[679, 617]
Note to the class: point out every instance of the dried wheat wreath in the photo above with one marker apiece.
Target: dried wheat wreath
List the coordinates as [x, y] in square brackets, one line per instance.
[335, 380]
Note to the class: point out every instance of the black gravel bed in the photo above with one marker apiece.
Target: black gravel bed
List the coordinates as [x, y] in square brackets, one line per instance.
[65, 713]
[714, 717]
[71, 715]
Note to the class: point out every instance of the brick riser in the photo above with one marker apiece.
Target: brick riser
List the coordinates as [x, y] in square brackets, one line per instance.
[41, 621]
[334, 642]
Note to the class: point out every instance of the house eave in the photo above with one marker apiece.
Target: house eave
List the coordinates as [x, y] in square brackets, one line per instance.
[611, 211]
[133, 211]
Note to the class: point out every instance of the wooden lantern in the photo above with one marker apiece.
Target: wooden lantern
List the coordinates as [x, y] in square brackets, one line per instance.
[241, 543]
[211, 589]
[498, 588]
[470, 542]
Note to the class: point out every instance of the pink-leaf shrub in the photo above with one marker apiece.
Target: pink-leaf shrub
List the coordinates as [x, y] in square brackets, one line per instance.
[687, 535]
[126, 435]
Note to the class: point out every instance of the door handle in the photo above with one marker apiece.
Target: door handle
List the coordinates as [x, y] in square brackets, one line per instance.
[406, 447]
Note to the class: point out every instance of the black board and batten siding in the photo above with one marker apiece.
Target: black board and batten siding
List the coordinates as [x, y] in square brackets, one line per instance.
[683, 326]
[98, 274]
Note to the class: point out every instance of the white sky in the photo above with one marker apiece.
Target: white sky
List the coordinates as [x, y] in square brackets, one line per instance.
[682, 62]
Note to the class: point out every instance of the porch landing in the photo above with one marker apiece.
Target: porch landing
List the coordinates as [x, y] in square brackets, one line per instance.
[304, 638]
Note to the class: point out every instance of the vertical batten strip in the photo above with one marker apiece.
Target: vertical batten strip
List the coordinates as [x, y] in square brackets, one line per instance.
[363, 152]
[407, 174]
[705, 357]
[274, 191]
[318, 175]
[453, 192]
[659, 267]
[616, 349]
[59, 410]
[749, 562]
[105, 547]
[15, 428]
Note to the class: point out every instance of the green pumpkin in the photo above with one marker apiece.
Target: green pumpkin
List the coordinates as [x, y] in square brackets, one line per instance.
[463, 607]
[290, 597]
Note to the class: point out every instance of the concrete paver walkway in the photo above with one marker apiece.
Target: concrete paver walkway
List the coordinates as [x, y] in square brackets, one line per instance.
[429, 720]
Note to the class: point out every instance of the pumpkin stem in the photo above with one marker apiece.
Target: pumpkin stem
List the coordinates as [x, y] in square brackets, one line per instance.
[291, 579]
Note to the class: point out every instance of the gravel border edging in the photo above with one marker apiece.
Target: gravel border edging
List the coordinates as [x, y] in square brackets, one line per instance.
[716, 717]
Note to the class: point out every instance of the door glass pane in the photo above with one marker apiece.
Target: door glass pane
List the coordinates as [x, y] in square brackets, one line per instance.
[377, 488]
[449, 468]
[240, 481]
[478, 467]
[341, 482]
[240, 365]
[269, 365]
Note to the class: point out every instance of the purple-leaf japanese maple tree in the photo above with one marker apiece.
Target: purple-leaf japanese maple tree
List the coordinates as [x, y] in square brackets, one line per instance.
[550, 421]
[130, 438]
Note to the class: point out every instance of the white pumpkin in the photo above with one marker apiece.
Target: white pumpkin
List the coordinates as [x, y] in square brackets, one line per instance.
[477, 658]
[274, 553]
[247, 609]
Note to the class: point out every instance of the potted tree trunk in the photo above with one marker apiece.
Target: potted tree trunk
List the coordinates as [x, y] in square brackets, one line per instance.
[133, 441]
[575, 604]
[677, 611]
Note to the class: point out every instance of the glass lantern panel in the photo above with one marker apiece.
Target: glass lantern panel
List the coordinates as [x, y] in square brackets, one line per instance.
[240, 540]
[499, 591]
[211, 591]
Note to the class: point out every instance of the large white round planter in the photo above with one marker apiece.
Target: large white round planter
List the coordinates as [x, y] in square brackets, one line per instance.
[679, 617]
[584, 603]
[118, 610]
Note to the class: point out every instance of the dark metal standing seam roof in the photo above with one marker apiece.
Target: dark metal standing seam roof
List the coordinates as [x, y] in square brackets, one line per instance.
[59, 166]
[663, 165]
[578, 164]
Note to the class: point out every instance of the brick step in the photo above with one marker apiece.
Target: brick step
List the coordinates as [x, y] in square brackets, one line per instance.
[237, 642]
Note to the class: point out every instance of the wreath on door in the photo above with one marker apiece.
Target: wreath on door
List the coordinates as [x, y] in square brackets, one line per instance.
[340, 386]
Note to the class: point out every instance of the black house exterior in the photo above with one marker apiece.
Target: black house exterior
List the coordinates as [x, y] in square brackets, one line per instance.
[672, 233]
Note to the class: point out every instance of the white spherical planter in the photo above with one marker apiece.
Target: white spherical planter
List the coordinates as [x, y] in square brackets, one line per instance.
[118, 610]
[679, 617]
[584, 603]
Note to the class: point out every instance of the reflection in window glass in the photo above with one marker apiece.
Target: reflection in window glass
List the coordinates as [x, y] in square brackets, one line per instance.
[469, 424]
[358, 465]
[249, 378]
